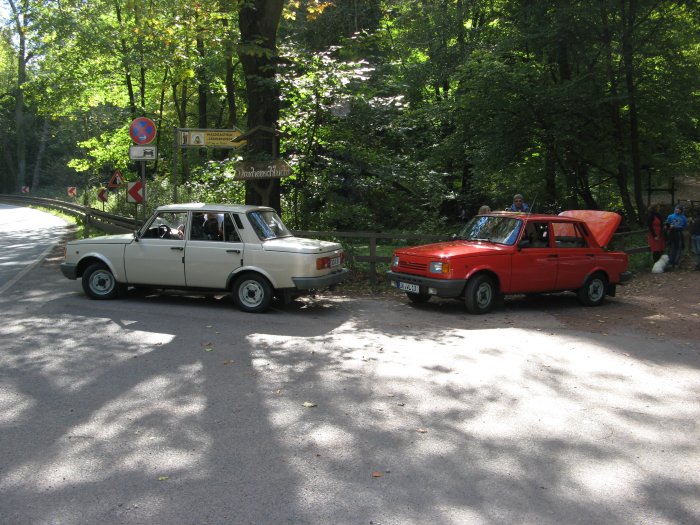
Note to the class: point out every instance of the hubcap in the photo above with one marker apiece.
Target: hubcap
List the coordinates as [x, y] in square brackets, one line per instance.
[250, 293]
[596, 290]
[483, 295]
[101, 282]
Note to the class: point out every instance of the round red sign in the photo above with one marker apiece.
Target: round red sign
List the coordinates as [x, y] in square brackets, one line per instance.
[142, 130]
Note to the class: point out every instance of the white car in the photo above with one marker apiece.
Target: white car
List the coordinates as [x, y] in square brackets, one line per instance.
[246, 250]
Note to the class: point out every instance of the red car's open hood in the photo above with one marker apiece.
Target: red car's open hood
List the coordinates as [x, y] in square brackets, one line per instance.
[603, 224]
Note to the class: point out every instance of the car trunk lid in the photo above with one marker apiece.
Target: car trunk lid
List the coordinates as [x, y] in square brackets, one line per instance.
[602, 224]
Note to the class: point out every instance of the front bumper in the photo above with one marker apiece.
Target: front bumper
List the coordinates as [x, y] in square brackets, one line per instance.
[441, 287]
[319, 283]
[69, 270]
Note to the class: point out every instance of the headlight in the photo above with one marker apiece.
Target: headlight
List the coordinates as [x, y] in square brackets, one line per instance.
[439, 267]
[395, 260]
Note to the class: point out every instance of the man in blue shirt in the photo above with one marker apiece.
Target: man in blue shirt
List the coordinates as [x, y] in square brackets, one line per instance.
[675, 224]
[519, 204]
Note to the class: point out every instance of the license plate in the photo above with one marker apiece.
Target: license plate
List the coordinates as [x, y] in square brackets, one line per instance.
[407, 287]
[335, 261]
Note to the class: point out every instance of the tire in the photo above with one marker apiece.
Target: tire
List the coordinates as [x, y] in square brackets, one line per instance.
[594, 290]
[418, 298]
[99, 282]
[252, 293]
[481, 295]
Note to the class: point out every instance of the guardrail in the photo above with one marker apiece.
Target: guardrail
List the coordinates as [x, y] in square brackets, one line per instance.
[117, 224]
[106, 222]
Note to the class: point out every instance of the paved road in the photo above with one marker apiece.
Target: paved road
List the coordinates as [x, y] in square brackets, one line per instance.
[25, 236]
[179, 409]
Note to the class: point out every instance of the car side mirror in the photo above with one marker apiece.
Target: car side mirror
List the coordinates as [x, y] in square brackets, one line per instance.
[136, 235]
[524, 243]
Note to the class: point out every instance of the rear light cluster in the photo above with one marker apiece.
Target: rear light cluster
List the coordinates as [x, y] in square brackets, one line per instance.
[326, 263]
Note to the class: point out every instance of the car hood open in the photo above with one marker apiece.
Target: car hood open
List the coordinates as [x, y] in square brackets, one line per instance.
[300, 245]
[602, 224]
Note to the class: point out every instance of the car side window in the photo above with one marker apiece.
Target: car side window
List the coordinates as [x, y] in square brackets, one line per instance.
[166, 225]
[569, 235]
[536, 235]
[230, 232]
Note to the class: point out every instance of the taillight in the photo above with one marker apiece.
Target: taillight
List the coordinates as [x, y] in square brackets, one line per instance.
[326, 263]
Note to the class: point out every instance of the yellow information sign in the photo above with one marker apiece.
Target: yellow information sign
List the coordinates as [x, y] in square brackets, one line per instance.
[208, 138]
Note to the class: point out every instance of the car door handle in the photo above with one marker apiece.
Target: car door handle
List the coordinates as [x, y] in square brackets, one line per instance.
[179, 248]
[553, 256]
[233, 251]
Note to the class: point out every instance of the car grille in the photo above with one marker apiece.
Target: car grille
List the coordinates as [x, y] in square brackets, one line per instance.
[416, 267]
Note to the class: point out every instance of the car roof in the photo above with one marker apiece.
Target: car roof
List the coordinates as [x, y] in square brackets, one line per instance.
[525, 216]
[199, 206]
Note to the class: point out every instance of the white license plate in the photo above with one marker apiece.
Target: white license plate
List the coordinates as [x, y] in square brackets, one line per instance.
[335, 261]
[407, 287]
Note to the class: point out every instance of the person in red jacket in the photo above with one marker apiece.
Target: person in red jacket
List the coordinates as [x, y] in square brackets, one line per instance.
[655, 236]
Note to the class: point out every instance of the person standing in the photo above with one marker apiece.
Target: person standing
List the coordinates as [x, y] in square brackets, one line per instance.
[676, 223]
[519, 204]
[695, 237]
[655, 235]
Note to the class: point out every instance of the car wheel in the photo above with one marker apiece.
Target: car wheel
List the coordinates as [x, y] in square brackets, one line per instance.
[418, 298]
[593, 291]
[252, 293]
[480, 295]
[99, 282]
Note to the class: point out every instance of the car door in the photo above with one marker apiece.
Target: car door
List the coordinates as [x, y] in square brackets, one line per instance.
[535, 263]
[210, 259]
[156, 257]
[576, 257]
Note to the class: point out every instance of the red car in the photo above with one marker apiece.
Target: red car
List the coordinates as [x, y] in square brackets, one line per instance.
[516, 253]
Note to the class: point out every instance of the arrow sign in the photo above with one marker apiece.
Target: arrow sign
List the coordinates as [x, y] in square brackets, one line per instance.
[102, 195]
[72, 191]
[134, 192]
[142, 130]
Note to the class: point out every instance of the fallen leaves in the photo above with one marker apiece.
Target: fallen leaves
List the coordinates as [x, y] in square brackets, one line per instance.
[309, 404]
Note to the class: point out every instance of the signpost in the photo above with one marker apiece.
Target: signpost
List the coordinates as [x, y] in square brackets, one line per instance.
[135, 192]
[117, 181]
[142, 130]
[72, 191]
[208, 138]
[273, 169]
[143, 152]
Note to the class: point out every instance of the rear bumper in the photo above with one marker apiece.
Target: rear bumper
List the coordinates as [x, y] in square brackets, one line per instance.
[69, 270]
[440, 287]
[324, 281]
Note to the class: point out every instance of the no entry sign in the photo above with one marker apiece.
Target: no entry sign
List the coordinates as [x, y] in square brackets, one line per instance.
[142, 130]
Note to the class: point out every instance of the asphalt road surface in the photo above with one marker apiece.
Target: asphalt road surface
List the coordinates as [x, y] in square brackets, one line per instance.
[179, 409]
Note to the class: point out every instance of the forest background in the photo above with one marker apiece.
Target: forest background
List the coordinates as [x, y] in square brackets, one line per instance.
[398, 115]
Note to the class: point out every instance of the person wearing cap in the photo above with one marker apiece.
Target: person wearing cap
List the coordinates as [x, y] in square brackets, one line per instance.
[519, 204]
[675, 224]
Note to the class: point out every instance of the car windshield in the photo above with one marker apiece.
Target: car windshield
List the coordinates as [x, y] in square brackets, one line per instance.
[500, 230]
[268, 225]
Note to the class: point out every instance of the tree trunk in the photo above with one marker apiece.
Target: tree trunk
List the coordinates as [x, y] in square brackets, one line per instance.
[20, 21]
[628, 20]
[36, 179]
[615, 117]
[258, 22]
